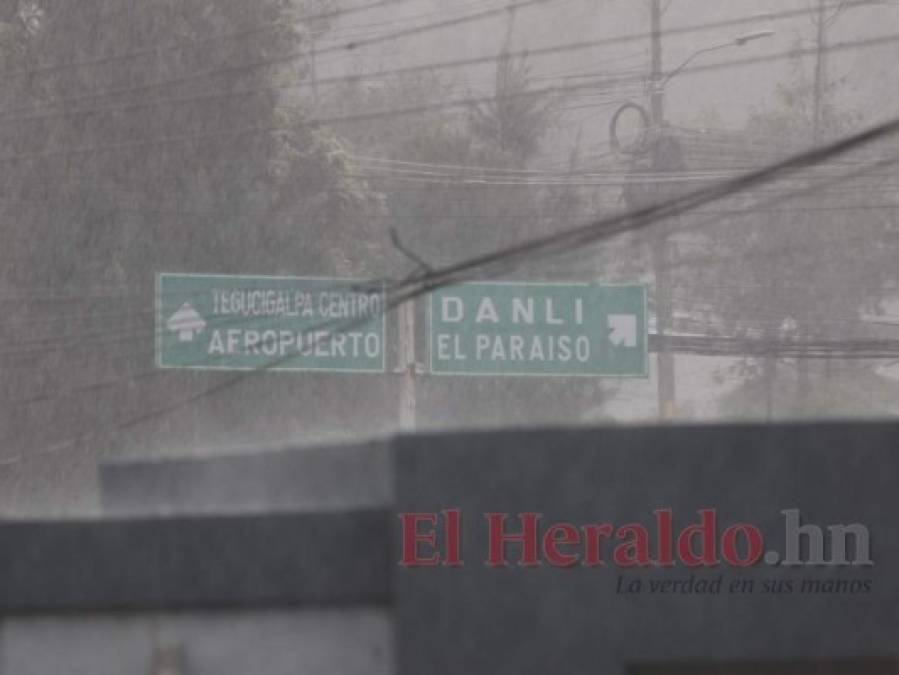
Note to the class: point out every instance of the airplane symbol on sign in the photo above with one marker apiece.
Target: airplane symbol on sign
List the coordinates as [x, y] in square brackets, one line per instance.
[186, 322]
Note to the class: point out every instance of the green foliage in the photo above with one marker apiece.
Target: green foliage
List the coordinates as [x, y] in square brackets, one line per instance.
[513, 123]
[448, 219]
[149, 136]
[456, 205]
[851, 392]
[183, 143]
[802, 268]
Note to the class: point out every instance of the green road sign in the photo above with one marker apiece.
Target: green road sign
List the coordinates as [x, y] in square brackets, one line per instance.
[221, 322]
[539, 329]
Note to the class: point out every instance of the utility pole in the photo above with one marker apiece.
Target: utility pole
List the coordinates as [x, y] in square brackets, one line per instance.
[803, 376]
[657, 100]
[667, 156]
[659, 244]
[820, 72]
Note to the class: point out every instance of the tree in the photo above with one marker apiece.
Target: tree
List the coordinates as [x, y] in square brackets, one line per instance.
[455, 192]
[193, 121]
[141, 137]
[513, 123]
[805, 268]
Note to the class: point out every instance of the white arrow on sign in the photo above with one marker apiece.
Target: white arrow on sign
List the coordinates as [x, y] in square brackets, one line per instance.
[624, 330]
[186, 322]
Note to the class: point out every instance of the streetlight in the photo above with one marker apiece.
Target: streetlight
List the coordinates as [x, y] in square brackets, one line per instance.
[736, 42]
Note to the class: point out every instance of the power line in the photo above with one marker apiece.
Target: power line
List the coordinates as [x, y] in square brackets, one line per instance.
[588, 44]
[491, 263]
[230, 70]
[733, 346]
[7, 75]
[639, 219]
[409, 110]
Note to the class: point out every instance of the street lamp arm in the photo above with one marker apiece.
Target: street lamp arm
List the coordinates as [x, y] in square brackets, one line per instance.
[690, 59]
[736, 42]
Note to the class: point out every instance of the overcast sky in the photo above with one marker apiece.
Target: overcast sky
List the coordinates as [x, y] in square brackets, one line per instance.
[717, 97]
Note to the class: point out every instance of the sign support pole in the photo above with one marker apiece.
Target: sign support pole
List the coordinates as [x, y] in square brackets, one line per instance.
[406, 366]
